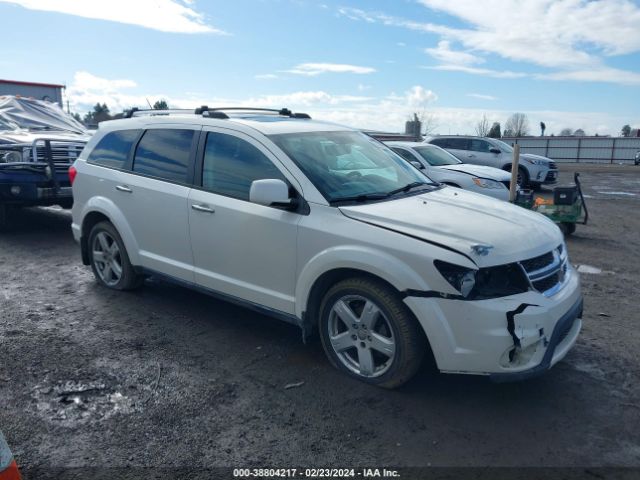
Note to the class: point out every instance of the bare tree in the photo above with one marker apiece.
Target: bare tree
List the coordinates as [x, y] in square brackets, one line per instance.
[566, 132]
[483, 127]
[517, 124]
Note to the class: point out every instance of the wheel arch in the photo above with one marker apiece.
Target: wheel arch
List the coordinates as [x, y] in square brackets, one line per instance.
[101, 209]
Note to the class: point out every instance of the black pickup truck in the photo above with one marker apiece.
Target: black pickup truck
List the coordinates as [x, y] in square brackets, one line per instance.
[38, 144]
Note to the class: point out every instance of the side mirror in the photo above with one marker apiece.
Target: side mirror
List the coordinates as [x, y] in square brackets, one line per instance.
[417, 164]
[270, 192]
[495, 150]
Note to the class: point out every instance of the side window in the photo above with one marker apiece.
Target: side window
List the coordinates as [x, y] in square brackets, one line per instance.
[231, 164]
[480, 145]
[113, 149]
[404, 154]
[458, 144]
[164, 153]
[440, 142]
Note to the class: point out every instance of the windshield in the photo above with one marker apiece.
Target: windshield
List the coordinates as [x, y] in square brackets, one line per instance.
[350, 166]
[436, 157]
[505, 147]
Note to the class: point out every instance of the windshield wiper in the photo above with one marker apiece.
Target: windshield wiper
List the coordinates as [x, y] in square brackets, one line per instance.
[406, 188]
[360, 198]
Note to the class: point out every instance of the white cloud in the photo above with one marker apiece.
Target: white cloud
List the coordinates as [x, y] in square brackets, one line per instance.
[444, 54]
[478, 71]
[573, 37]
[481, 96]
[174, 16]
[313, 69]
[387, 113]
[595, 74]
[266, 76]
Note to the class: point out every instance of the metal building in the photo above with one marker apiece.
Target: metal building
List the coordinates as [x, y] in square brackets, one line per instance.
[41, 91]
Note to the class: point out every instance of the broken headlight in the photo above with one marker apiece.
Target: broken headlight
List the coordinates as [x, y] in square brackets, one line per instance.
[488, 282]
[461, 278]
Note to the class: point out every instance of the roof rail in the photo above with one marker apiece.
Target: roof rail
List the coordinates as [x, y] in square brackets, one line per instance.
[134, 112]
[217, 112]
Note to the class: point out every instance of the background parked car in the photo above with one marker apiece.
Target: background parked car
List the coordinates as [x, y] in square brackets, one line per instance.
[38, 143]
[441, 166]
[534, 170]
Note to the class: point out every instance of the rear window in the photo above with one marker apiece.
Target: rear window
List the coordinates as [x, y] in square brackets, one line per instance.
[164, 154]
[113, 149]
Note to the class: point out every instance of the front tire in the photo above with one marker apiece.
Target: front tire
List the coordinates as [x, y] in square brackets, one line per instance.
[368, 333]
[109, 260]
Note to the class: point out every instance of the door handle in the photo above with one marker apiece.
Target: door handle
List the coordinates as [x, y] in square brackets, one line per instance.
[471, 156]
[203, 208]
[123, 188]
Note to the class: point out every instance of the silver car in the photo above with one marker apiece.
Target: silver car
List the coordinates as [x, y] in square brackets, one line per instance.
[534, 170]
[439, 165]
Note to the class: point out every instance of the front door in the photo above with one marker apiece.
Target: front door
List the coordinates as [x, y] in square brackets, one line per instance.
[241, 248]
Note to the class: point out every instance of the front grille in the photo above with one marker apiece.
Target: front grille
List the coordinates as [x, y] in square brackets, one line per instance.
[547, 272]
[65, 153]
[536, 263]
[553, 166]
[547, 283]
[551, 176]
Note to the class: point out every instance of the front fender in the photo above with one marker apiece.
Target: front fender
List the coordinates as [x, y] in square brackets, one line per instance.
[372, 261]
[116, 217]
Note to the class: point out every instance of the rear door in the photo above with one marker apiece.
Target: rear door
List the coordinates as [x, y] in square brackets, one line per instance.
[153, 197]
[459, 147]
[240, 248]
[479, 153]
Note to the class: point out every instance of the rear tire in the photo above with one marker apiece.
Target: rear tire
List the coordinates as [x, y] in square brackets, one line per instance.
[568, 228]
[109, 259]
[368, 333]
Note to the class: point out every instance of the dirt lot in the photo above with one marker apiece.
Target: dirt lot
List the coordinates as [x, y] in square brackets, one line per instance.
[168, 377]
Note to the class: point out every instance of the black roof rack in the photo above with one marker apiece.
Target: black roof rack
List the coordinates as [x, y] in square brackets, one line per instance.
[154, 111]
[217, 112]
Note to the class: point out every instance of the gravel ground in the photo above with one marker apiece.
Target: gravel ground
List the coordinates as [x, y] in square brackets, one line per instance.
[166, 377]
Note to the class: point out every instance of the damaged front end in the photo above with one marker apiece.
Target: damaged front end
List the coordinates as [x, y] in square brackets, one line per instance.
[508, 321]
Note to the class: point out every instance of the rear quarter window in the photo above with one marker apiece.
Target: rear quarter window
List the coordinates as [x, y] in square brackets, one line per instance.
[113, 149]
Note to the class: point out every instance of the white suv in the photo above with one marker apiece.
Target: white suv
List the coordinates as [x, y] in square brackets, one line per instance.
[533, 170]
[326, 228]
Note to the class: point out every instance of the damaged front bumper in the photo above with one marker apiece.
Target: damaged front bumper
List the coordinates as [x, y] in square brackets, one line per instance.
[508, 338]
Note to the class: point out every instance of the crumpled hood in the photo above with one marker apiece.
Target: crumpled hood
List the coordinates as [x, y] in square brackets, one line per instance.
[480, 171]
[459, 219]
[27, 136]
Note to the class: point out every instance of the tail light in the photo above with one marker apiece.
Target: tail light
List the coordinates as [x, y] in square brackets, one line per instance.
[72, 173]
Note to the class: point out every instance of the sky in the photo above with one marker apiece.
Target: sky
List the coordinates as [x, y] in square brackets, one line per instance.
[364, 63]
